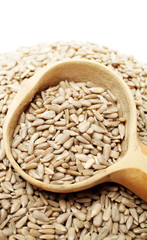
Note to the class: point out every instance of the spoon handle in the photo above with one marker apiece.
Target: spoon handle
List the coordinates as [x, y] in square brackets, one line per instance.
[132, 171]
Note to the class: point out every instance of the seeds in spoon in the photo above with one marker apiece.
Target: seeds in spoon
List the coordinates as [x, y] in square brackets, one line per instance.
[86, 133]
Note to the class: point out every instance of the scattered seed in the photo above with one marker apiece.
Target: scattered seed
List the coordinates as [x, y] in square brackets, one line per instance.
[40, 216]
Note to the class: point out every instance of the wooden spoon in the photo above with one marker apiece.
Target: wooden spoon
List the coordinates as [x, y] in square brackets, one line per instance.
[131, 169]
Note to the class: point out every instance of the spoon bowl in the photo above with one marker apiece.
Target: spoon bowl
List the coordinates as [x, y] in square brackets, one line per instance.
[130, 170]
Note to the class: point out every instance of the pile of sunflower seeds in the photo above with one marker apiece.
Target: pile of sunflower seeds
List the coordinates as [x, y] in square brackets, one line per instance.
[68, 133]
[105, 212]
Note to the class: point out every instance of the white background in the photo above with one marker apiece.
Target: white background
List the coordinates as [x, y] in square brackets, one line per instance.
[118, 24]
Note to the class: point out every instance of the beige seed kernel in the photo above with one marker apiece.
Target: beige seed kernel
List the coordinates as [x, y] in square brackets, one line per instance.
[71, 233]
[81, 216]
[95, 209]
[89, 163]
[83, 127]
[107, 151]
[63, 138]
[40, 216]
[128, 203]
[21, 222]
[60, 227]
[96, 90]
[115, 213]
[63, 217]
[107, 214]
[47, 231]
[47, 115]
[97, 220]
[103, 232]
[47, 236]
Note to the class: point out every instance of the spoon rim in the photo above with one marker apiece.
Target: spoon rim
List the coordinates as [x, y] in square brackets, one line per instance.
[104, 172]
